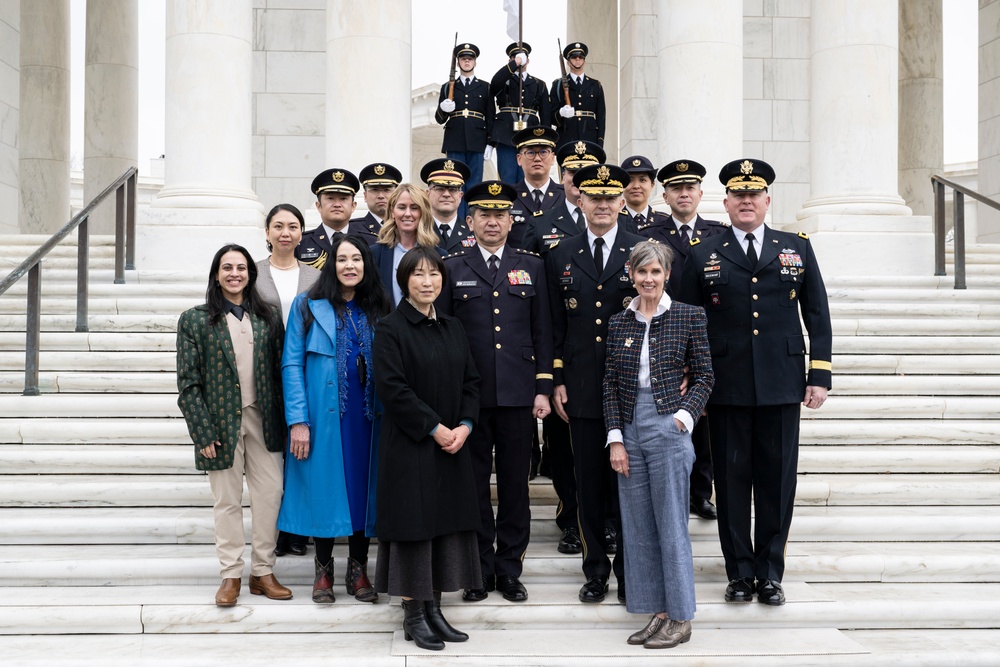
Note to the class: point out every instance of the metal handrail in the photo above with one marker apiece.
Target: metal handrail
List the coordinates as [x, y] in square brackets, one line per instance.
[125, 205]
[939, 183]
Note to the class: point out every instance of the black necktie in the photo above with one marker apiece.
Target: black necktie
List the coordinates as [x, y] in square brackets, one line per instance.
[537, 194]
[686, 231]
[751, 251]
[443, 230]
[237, 312]
[599, 255]
[640, 220]
[579, 220]
[494, 265]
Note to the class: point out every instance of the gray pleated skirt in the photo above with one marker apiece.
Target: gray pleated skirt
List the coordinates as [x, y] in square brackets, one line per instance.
[417, 569]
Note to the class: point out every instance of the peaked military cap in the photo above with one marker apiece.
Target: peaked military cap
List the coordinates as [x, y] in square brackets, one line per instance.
[466, 50]
[535, 136]
[492, 195]
[603, 180]
[681, 171]
[746, 174]
[639, 164]
[577, 154]
[336, 180]
[445, 171]
[575, 48]
[380, 173]
[515, 47]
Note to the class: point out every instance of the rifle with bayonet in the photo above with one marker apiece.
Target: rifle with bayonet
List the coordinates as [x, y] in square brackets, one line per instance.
[519, 124]
[454, 66]
[565, 76]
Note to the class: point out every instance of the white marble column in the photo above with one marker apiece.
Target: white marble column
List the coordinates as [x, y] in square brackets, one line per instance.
[207, 192]
[111, 101]
[44, 136]
[595, 23]
[989, 119]
[368, 82]
[921, 101]
[700, 116]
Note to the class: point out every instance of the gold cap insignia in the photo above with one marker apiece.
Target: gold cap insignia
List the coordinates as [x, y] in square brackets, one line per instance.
[379, 169]
[338, 176]
[495, 189]
[539, 131]
[580, 148]
[682, 166]
[603, 172]
[449, 165]
[466, 45]
[746, 167]
[636, 162]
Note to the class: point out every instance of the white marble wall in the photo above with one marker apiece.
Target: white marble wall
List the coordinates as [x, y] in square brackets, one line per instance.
[640, 72]
[594, 23]
[989, 117]
[10, 19]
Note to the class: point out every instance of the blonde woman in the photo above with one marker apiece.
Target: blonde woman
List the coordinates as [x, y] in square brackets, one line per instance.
[409, 224]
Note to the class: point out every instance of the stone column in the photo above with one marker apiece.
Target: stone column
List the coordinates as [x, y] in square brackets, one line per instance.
[44, 143]
[111, 101]
[368, 96]
[700, 116]
[989, 119]
[595, 23]
[921, 102]
[207, 177]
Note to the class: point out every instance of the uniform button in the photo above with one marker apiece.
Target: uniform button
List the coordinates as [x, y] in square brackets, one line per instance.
[598, 339]
[756, 314]
[754, 279]
[600, 287]
[496, 293]
[497, 328]
[755, 332]
[598, 304]
[598, 321]
[465, 296]
[496, 311]
[498, 346]
[522, 293]
[754, 297]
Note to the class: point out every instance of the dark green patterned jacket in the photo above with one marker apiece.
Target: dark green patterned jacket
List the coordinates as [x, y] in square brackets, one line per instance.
[209, 385]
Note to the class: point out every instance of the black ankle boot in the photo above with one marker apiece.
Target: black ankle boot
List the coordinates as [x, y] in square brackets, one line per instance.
[416, 629]
[439, 624]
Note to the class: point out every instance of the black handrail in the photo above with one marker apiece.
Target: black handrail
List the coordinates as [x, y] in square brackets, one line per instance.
[958, 201]
[125, 204]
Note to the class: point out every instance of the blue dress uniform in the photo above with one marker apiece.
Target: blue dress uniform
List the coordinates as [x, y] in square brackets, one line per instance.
[467, 128]
[525, 208]
[519, 106]
[582, 304]
[758, 354]
[378, 174]
[449, 173]
[589, 121]
[316, 245]
[506, 316]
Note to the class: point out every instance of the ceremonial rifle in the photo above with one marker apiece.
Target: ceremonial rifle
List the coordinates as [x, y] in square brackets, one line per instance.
[519, 124]
[454, 65]
[565, 76]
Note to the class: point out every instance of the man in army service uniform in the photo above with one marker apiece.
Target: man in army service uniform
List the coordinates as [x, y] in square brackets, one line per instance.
[500, 295]
[468, 116]
[335, 190]
[444, 178]
[537, 193]
[378, 180]
[522, 102]
[583, 116]
[754, 283]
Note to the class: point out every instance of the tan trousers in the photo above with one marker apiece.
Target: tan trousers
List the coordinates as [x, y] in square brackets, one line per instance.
[264, 480]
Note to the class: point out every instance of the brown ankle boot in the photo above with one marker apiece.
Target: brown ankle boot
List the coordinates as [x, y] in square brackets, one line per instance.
[323, 584]
[357, 582]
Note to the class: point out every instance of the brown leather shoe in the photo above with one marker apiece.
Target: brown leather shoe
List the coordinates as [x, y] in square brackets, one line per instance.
[269, 586]
[227, 593]
[669, 635]
[357, 582]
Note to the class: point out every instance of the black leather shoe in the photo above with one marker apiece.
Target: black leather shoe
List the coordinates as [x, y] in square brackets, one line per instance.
[297, 545]
[480, 594]
[610, 541]
[704, 508]
[770, 592]
[594, 590]
[621, 591]
[512, 588]
[533, 471]
[281, 547]
[740, 590]
[570, 543]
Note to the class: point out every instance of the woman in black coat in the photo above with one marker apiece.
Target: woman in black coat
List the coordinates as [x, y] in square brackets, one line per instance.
[427, 512]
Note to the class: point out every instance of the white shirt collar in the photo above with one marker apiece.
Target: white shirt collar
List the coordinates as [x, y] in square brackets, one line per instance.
[678, 223]
[544, 187]
[453, 223]
[632, 213]
[330, 231]
[486, 253]
[662, 307]
[572, 209]
[609, 239]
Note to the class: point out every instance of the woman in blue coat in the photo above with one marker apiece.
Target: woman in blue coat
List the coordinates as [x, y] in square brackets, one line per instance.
[333, 414]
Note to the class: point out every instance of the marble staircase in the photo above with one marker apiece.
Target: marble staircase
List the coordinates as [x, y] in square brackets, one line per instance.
[106, 539]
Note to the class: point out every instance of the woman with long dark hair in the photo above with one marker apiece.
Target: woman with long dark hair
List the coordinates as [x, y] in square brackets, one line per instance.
[331, 406]
[229, 381]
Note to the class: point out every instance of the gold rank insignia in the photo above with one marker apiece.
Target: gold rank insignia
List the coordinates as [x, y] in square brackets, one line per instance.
[682, 166]
[449, 165]
[495, 189]
[539, 131]
[379, 169]
[803, 235]
[338, 176]
[746, 167]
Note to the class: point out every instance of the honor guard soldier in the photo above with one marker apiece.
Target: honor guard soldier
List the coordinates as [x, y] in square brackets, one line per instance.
[754, 283]
[522, 102]
[537, 193]
[589, 282]
[334, 190]
[378, 181]
[577, 100]
[444, 178]
[465, 108]
[637, 211]
[500, 295]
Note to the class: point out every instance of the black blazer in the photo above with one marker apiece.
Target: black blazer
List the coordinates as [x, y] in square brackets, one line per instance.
[466, 133]
[382, 255]
[524, 209]
[544, 231]
[587, 97]
[459, 237]
[367, 227]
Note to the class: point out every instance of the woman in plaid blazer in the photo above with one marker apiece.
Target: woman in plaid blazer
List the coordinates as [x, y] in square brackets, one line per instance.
[649, 423]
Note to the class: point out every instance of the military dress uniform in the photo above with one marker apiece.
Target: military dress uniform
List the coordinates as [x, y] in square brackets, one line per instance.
[467, 128]
[316, 243]
[450, 173]
[586, 96]
[519, 106]
[583, 302]
[526, 206]
[374, 175]
[758, 354]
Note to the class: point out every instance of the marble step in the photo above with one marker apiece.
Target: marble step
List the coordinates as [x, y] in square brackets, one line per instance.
[882, 295]
[912, 385]
[92, 382]
[101, 286]
[895, 365]
[927, 281]
[134, 304]
[172, 564]
[834, 489]
[96, 322]
[178, 459]
[111, 341]
[130, 360]
[948, 308]
[906, 326]
[195, 525]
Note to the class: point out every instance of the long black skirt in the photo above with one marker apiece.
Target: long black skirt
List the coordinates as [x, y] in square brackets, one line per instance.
[417, 569]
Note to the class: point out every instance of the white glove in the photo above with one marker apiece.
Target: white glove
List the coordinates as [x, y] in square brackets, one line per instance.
[567, 111]
[520, 59]
[447, 105]
[488, 153]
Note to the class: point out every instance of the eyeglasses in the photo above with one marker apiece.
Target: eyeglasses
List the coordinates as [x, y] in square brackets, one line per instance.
[532, 153]
[447, 188]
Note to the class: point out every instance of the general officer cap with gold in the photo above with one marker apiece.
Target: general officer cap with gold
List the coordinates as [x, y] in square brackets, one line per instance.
[336, 180]
[746, 174]
[445, 171]
[602, 180]
[639, 164]
[380, 173]
[535, 136]
[681, 171]
[493, 195]
[578, 154]
[514, 47]
[466, 50]
[576, 48]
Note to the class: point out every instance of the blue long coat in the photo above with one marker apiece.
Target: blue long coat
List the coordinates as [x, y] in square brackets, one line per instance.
[315, 501]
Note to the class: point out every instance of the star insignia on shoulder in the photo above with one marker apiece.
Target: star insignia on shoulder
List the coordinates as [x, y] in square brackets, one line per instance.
[803, 235]
[457, 253]
[522, 251]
